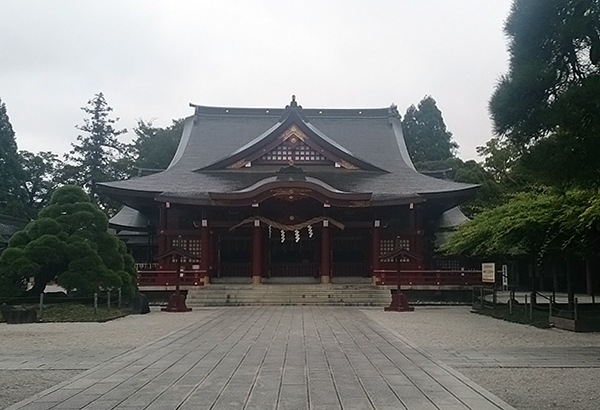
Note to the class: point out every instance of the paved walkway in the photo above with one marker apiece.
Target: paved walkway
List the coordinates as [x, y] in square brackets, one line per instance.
[271, 358]
[520, 357]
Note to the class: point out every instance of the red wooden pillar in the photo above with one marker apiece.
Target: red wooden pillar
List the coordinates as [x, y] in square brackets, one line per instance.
[162, 234]
[325, 253]
[204, 252]
[375, 262]
[212, 255]
[256, 253]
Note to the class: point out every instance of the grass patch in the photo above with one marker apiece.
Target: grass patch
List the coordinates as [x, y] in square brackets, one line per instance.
[520, 314]
[80, 313]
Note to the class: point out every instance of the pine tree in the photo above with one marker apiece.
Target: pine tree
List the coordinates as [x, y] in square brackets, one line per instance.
[69, 242]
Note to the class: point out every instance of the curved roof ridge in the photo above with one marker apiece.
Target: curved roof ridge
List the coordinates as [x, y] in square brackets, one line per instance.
[185, 139]
[316, 112]
[397, 127]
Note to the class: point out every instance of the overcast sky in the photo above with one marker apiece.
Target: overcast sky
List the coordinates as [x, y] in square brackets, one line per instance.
[152, 58]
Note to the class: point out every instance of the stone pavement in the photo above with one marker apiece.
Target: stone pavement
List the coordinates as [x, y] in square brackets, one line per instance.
[520, 357]
[272, 358]
[64, 359]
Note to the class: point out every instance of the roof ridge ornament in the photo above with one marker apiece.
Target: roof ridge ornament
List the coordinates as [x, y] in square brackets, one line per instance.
[293, 104]
[291, 172]
[393, 112]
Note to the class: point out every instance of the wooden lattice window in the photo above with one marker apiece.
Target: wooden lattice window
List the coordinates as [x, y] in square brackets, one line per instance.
[191, 245]
[293, 150]
[447, 264]
[389, 245]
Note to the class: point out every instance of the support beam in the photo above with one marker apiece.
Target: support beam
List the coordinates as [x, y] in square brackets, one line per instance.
[162, 237]
[325, 253]
[205, 252]
[375, 262]
[256, 253]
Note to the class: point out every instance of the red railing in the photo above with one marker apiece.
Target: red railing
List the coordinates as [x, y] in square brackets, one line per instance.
[168, 278]
[406, 278]
[430, 278]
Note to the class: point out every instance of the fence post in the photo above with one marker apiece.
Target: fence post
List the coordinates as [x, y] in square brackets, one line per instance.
[511, 296]
[494, 297]
[95, 303]
[550, 309]
[575, 310]
[119, 293]
[108, 299]
[41, 304]
[526, 305]
[531, 306]
[482, 295]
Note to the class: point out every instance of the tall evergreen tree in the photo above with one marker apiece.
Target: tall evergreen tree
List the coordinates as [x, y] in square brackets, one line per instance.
[11, 173]
[98, 155]
[425, 133]
[155, 147]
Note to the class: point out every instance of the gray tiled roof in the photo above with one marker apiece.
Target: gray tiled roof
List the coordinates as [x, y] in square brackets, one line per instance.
[373, 136]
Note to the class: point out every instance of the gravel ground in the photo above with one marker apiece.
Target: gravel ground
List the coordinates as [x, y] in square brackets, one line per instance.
[436, 328]
[66, 341]
[432, 328]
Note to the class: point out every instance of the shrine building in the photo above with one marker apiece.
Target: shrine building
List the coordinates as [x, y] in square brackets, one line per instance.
[286, 195]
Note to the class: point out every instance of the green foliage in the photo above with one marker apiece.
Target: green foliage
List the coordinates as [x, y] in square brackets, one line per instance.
[425, 133]
[11, 192]
[548, 105]
[99, 156]
[553, 45]
[68, 243]
[535, 222]
[490, 192]
[155, 147]
[546, 113]
[41, 178]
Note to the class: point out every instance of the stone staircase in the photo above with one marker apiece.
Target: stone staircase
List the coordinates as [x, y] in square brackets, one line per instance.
[291, 294]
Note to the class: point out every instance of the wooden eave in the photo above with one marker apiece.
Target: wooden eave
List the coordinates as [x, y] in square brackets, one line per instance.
[291, 191]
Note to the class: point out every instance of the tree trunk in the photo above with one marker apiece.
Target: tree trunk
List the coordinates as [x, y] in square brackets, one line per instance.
[37, 289]
[590, 275]
[532, 274]
[569, 275]
[555, 280]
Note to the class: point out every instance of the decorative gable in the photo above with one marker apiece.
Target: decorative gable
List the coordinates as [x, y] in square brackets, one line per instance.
[293, 147]
[293, 151]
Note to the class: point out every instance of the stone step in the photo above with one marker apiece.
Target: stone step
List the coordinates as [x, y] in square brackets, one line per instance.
[283, 303]
[275, 292]
[318, 294]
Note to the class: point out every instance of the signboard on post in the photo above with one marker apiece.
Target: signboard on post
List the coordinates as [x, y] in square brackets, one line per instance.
[488, 272]
[505, 277]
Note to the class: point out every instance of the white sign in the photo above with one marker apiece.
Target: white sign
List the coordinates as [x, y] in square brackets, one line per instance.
[488, 272]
